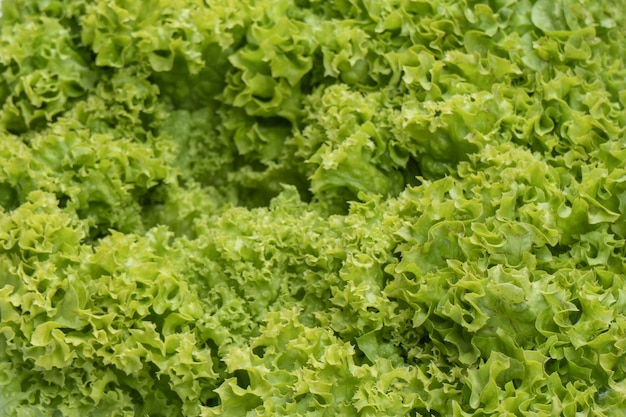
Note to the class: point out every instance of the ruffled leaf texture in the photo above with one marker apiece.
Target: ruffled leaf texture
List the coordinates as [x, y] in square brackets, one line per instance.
[309, 208]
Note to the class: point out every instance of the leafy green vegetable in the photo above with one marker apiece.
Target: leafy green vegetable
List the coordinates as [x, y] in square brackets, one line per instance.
[308, 208]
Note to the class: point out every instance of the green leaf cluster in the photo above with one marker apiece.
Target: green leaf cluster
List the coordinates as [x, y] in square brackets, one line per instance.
[312, 208]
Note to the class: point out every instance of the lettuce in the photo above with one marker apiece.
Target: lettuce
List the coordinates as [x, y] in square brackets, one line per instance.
[308, 208]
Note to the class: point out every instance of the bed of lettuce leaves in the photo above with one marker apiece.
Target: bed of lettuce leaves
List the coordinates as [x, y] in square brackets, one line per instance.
[312, 208]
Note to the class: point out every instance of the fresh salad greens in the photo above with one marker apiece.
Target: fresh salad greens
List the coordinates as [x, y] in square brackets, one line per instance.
[312, 208]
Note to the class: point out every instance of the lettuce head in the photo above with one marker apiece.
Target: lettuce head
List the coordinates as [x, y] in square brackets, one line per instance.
[312, 208]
